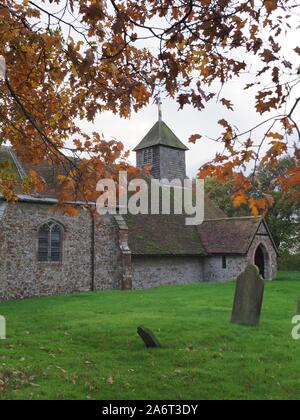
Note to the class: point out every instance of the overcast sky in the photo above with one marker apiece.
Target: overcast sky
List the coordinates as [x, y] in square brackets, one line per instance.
[184, 123]
[190, 121]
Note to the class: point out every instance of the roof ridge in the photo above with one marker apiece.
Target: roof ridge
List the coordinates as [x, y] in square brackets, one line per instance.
[159, 130]
[12, 155]
[235, 218]
[215, 205]
[161, 134]
[18, 164]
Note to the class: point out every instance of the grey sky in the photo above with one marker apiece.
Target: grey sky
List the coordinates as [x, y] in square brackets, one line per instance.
[186, 122]
[190, 121]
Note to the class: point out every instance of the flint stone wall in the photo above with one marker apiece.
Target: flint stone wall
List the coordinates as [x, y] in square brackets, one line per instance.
[155, 271]
[213, 266]
[22, 276]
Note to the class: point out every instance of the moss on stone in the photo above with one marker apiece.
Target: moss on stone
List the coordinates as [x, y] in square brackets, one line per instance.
[161, 134]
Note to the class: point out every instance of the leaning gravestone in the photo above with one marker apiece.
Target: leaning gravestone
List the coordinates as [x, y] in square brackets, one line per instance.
[248, 297]
[148, 337]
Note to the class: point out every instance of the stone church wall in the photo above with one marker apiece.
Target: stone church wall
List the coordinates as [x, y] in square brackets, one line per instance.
[22, 276]
[262, 238]
[214, 271]
[156, 271]
[108, 262]
[213, 266]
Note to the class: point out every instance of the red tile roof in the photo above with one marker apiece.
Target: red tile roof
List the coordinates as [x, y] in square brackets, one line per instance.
[229, 235]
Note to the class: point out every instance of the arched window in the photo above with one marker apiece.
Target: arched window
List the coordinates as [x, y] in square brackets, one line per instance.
[50, 242]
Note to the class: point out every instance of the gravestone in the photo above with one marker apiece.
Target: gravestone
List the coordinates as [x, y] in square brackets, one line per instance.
[248, 297]
[148, 337]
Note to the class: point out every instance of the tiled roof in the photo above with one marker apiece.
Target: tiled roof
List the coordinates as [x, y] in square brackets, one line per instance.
[229, 235]
[7, 155]
[160, 134]
[47, 171]
[162, 235]
[167, 234]
[48, 174]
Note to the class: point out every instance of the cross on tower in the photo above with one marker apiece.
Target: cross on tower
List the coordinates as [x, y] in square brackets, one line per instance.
[159, 104]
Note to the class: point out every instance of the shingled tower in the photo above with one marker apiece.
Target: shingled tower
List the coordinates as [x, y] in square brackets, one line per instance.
[162, 150]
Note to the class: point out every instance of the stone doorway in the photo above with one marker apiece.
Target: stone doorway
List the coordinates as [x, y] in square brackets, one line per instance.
[261, 261]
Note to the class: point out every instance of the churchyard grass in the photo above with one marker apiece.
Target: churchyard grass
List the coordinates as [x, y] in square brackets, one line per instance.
[85, 346]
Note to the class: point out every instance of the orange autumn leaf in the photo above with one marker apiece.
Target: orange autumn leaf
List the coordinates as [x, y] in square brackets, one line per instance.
[293, 178]
[276, 136]
[253, 207]
[193, 139]
[240, 199]
[60, 75]
[71, 211]
[271, 5]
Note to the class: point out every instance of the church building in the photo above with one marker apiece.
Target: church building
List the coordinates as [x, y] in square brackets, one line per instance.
[44, 252]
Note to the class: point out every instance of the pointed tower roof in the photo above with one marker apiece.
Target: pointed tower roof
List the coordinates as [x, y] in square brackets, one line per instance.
[161, 134]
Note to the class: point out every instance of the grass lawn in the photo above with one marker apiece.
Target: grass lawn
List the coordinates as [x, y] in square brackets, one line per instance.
[85, 346]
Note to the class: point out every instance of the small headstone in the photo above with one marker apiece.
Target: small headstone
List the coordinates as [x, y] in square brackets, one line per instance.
[248, 297]
[148, 337]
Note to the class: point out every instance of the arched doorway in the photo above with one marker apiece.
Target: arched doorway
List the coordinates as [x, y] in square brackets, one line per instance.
[261, 261]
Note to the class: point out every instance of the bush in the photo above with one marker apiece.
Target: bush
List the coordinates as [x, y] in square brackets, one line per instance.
[289, 262]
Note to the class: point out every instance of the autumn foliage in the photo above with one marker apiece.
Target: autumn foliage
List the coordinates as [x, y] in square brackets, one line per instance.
[68, 60]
